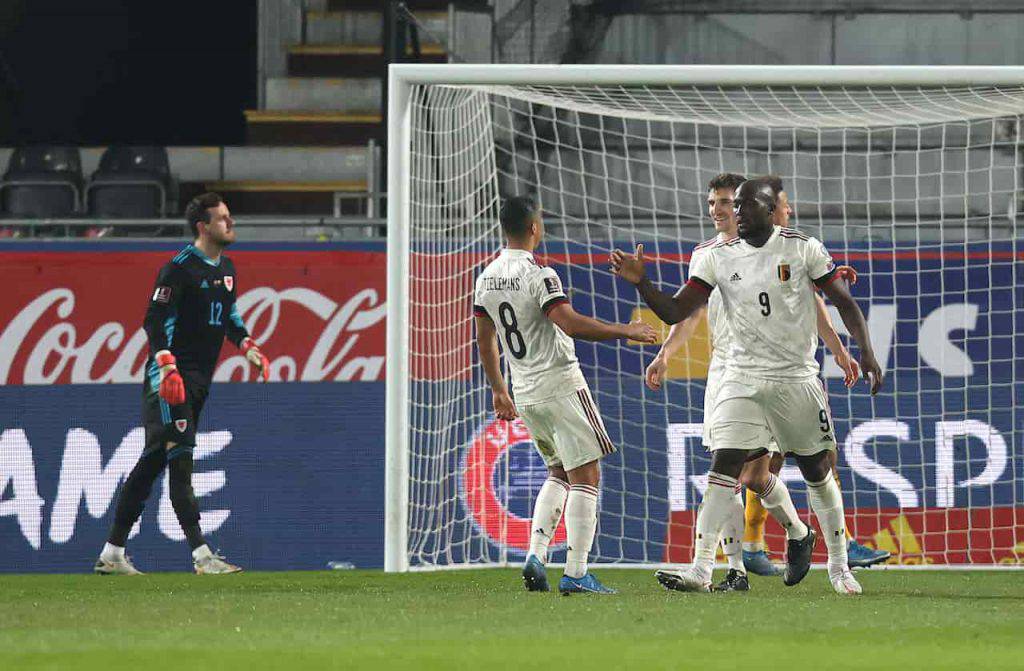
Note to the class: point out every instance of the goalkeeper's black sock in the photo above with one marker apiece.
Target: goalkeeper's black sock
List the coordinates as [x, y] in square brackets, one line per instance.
[186, 508]
[134, 494]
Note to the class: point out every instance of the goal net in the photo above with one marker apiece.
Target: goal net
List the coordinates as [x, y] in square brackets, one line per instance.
[910, 175]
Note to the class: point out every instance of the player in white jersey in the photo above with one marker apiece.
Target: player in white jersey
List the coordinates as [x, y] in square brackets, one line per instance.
[523, 305]
[770, 387]
[759, 475]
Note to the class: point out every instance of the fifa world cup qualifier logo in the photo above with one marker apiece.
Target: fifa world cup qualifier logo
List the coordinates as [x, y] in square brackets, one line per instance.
[500, 476]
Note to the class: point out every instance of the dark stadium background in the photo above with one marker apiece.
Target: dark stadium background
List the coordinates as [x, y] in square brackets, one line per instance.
[118, 72]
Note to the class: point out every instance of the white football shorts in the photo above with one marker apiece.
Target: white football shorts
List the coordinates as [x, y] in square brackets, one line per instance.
[748, 412]
[714, 383]
[567, 430]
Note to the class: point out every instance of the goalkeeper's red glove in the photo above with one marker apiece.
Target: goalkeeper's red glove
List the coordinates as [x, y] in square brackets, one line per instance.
[256, 358]
[172, 387]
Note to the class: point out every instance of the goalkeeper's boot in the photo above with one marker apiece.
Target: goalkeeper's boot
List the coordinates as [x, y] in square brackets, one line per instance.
[115, 566]
[758, 563]
[860, 556]
[588, 584]
[844, 583]
[683, 580]
[798, 557]
[734, 582]
[535, 576]
[214, 564]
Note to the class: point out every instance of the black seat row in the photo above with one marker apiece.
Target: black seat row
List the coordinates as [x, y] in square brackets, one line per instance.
[46, 182]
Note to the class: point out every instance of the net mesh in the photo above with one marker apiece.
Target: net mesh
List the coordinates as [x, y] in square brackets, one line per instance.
[915, 188]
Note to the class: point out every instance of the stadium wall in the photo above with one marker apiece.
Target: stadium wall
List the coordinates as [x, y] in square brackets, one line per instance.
[290, 474]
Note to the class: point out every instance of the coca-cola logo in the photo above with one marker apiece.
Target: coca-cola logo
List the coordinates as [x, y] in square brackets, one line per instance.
[44, 344]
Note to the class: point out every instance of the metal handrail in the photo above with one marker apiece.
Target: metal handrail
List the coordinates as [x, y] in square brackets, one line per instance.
[354, 221]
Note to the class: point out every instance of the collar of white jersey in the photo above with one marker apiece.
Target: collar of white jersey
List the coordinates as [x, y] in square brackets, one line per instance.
[517, 253]
[771, 238]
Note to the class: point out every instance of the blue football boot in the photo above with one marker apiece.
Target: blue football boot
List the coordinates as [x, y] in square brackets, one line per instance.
[859, 556]
[535, 576]
[588, 584]
[758, 563]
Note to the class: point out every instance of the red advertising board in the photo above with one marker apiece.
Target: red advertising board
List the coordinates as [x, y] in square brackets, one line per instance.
[984, 535]
[75, 317]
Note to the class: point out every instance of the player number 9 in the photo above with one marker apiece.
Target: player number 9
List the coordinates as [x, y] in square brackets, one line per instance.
[766, 304]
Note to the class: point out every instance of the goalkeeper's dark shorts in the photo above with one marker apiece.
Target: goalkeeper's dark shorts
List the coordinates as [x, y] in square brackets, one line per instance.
[167, 423]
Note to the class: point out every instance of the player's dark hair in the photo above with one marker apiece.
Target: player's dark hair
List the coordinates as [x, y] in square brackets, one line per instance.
[775, 182]
[726, 180]
[198, 209]
[516, 215]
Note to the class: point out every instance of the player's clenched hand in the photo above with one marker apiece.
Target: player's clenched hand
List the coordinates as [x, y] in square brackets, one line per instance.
[850, 367]
[872, 372]
[504, 408]
[656, 373]
[256, 358]
[629, 268]
[847, 273]
[641, 332]
[172, 387]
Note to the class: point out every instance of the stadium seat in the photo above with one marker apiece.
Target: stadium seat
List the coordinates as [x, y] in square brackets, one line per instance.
[42, 182]
[131, 182]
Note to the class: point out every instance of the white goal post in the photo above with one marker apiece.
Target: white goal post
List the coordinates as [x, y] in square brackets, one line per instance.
[911, 174]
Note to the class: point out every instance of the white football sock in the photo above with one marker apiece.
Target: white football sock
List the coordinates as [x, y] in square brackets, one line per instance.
[202, 551]
[827, 504]
[112, 552]
[580, 525]
[779, 504]
[732, 535]
[547, 511]
[714, 513]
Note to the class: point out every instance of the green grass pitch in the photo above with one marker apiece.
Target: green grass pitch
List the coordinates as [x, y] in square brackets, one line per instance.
[484, 620]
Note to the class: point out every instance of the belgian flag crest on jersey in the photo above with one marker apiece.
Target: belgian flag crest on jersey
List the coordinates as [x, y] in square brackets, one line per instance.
[783, 271]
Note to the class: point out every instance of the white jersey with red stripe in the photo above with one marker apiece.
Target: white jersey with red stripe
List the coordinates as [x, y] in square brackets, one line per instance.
[516, 294]
[768, 301]
[718, 326]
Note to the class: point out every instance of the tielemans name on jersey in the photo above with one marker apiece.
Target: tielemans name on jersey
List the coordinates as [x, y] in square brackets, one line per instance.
[501, 284]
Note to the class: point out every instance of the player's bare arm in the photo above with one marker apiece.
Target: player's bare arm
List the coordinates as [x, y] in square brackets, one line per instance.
[853, 318]
[575, 325]
[670, 309]
[827, 332]
[487, 343]
[678, 335]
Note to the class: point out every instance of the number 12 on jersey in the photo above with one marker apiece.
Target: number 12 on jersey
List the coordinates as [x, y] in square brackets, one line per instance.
[216, 310]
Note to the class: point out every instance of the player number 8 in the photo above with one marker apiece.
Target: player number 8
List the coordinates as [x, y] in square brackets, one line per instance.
[513, 336]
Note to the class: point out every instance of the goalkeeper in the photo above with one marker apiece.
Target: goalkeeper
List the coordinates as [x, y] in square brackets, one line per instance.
[190, 312]
[760, 474]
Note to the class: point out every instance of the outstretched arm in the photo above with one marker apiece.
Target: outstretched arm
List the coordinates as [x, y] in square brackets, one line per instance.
[670, 309]
[678, 335]
[580, 326]
[487, 343]
[853, 318]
